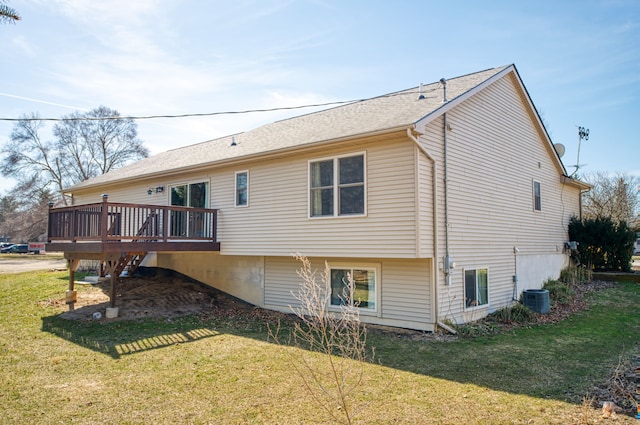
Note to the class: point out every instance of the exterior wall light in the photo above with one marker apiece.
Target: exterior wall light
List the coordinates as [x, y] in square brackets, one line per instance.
[158, 189]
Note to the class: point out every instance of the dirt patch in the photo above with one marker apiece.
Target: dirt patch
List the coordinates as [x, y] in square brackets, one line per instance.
[30, 262]
[138, 298]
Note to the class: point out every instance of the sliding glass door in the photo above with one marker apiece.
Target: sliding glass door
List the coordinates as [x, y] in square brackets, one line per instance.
[189, 223]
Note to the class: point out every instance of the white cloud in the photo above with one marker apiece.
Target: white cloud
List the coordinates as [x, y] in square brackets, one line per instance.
[22, 44]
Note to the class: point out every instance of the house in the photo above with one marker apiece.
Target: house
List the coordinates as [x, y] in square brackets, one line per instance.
[444, 201]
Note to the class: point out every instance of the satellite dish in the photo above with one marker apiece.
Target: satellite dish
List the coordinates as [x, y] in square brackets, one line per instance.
[559, 149]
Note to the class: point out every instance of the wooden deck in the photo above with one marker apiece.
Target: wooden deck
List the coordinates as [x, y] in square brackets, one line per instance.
[119, 235]
[107, 227]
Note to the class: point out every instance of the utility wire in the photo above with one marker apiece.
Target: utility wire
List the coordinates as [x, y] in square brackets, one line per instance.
[210, 114]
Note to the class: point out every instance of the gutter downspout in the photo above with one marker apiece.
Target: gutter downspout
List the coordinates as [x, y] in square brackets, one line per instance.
[447, 259]
[434, 273]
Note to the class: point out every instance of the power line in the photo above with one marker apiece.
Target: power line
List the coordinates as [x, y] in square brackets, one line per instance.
[210, 114]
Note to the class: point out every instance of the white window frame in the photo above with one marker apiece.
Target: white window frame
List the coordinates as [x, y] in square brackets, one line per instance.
[464, 288]
[537, 199]
[369, 267]
[337, 186]
[235, 193]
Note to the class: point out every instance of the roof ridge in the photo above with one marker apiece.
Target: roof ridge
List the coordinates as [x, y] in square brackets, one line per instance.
[393, 93]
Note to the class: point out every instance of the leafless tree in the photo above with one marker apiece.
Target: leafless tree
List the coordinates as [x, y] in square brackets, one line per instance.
[613, 196]
[85, 145]
[97, 142]
[23, 213]
[29, 159]
[332, 346]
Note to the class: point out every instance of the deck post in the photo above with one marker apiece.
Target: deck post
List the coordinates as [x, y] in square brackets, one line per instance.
[72, 295]
[104, 226]
[112, 290]
[112, 310]
[111, 268]
[49, 224]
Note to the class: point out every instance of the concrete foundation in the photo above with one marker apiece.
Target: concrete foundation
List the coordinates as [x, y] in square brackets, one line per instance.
[71, 296]
[112, 312]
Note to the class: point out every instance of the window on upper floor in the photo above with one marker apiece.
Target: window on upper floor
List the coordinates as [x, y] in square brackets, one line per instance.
[537, 196]
[186, 223]
[337, 186]
[190, 195]
[476, 287]
[242, 189]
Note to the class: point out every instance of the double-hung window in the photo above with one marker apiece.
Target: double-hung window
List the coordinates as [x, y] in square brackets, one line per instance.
[476, 287]
[242, 188]
[365, 287]
[337, 186]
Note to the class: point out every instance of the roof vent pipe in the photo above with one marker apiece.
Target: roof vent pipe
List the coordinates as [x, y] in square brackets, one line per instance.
[420, 95]
[444, 90]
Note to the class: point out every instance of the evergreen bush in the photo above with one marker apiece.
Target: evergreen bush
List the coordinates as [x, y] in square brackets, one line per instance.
[602, 244]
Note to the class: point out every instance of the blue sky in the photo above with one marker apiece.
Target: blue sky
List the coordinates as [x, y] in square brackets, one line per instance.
[580, 61]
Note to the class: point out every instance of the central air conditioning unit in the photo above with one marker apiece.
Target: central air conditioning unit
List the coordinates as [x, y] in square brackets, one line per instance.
[536, 299]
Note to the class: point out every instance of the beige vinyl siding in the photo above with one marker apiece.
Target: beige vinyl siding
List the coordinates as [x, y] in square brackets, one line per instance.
[277, 220]
[406, 290]
[135, 193]
[282, 281]
[425, 213]
[495, 152]
[404, 287]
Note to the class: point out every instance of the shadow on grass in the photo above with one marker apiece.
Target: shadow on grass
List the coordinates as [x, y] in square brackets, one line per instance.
[141, 330]
[122, 338]
[562, 361]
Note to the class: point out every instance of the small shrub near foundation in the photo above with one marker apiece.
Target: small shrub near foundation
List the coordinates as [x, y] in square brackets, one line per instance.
[559, 292]
[575, 274]
[476, 329]
[517, 313]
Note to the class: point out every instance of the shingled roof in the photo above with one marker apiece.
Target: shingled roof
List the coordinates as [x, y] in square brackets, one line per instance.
[389, 112]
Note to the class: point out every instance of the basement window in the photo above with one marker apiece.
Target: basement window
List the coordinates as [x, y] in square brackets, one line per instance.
[365, 290]
[476, 287]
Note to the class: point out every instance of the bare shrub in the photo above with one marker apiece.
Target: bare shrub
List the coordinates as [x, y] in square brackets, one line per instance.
[573, 275]
[332, 347]
[517, 313]
[559, 292]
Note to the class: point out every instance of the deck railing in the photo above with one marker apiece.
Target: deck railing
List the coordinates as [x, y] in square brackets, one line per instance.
[119, 222]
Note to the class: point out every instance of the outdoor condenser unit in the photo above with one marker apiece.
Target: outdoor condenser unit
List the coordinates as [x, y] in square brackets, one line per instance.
[536, 299]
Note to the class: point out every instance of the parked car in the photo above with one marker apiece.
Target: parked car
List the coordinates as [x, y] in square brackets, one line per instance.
[19, 248]
[5, 248]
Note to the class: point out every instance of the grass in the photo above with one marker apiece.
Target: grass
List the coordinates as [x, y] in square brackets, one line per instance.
[194, 370]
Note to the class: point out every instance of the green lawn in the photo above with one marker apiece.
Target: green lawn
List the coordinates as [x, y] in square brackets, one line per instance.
[225, 371]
